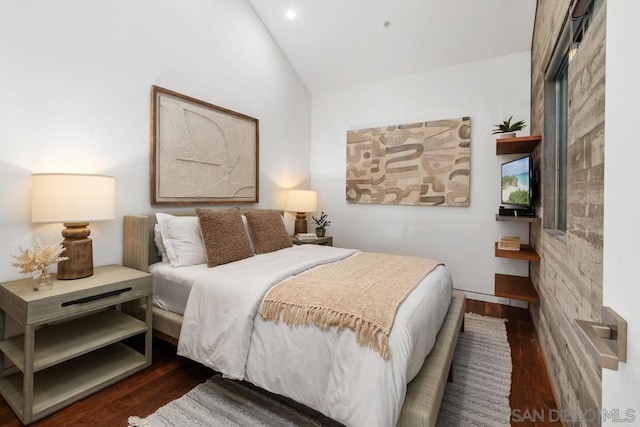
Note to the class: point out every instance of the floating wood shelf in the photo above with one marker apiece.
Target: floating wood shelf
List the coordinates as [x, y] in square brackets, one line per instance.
[526, 253]
[520, 144]
[529, 219]
[516, 287]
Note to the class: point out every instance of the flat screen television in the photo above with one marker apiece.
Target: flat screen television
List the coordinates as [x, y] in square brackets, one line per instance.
[516, 183]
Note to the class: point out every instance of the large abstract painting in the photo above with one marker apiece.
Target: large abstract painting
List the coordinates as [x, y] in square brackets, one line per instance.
[201, 153]
[424, 163]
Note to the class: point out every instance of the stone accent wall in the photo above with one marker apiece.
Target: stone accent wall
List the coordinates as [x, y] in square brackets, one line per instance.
[569, 277]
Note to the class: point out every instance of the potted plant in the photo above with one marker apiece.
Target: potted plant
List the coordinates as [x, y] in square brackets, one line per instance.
[507, 129]
[322, 223]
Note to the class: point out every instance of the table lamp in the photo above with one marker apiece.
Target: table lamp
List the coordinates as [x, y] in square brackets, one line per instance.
[301, 202]
[74, 200]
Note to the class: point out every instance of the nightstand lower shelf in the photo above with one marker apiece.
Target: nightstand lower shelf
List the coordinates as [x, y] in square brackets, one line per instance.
[68, 382]
[516, 287]
[65, 341]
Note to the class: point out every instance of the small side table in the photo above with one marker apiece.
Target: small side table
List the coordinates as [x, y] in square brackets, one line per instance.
[324, 241]
[71, 346]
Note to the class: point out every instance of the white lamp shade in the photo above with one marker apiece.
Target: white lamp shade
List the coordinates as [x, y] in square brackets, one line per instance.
[60, 197]
[301, 201]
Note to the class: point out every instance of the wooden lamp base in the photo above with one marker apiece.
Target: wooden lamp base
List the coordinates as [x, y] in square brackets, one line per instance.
[301, 223]
[79, 250]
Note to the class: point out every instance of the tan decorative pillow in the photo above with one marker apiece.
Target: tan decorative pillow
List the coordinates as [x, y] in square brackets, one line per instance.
[224, 236]
[267, 231]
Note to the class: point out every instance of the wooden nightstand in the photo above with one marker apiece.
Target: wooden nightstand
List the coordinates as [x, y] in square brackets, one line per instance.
[71, 343]
[325, 241]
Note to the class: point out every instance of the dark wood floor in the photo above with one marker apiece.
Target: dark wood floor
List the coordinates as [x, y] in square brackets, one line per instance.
[171, 376]
[168, 378]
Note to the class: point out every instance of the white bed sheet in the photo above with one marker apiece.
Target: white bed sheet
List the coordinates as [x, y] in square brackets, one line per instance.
[172, 285]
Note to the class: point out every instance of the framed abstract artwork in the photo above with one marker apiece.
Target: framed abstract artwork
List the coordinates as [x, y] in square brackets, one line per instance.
[425, 163]
[201, 153]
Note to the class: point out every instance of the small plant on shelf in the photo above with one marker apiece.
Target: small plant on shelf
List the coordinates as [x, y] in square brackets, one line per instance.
[322, 223]
[507, 127]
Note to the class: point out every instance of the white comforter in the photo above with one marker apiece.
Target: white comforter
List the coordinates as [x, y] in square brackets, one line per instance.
[327, 371]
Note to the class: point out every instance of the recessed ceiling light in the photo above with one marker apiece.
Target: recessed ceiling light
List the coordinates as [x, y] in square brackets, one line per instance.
[291, 14]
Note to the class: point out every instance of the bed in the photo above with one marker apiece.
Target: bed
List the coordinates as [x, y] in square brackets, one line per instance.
[423, 393]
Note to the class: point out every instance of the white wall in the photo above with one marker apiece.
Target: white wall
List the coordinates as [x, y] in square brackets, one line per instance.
[621, 291]
[75, 79]
[488, 91]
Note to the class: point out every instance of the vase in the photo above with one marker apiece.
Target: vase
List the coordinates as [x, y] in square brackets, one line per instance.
[42, 281]
[507, 135]
[320, 231]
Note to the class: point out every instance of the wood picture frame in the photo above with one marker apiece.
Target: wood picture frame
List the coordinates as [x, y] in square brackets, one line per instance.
[201, 154]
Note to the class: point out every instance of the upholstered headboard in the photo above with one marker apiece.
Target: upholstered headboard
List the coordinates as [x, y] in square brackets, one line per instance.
[138, 248]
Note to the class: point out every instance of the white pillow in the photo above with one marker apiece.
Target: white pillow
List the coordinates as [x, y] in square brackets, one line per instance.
[182, 240]
[246, 228]
[157, 238]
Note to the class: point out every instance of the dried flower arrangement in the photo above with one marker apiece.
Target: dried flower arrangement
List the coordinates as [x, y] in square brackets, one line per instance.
[39, 258]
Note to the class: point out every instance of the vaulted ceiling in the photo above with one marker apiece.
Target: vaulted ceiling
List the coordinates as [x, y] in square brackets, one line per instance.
[342, 43]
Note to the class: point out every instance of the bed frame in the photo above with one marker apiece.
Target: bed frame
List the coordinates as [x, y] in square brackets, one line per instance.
[424, 392]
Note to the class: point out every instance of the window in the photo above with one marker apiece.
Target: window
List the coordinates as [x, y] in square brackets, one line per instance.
[556, 119]
[556, 115]
[562, 114]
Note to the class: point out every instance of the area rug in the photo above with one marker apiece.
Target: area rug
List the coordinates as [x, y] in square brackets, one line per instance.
[479, 393]
[225, 403]
[478, 396]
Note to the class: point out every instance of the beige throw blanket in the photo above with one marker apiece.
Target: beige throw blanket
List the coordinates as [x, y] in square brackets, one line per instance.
[361, 293]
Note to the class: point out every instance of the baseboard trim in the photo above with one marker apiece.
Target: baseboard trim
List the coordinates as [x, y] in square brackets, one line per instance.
[494, 299]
